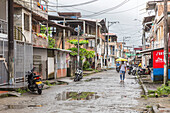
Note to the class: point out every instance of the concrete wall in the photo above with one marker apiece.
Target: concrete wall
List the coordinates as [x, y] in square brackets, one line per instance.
[3, 9]
[61, 66]
[19, 22]
[27, 33]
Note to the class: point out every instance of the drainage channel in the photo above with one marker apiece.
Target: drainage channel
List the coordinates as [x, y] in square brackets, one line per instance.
[21, 106]
[92, 79]
[76, 96]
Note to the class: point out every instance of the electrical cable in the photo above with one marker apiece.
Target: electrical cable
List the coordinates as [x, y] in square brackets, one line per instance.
[107, 10]
[80, 4]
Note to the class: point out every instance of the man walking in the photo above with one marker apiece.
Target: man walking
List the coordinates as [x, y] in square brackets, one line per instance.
[122, 71]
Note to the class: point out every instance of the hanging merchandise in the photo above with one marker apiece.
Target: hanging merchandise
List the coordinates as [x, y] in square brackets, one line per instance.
[41, 7]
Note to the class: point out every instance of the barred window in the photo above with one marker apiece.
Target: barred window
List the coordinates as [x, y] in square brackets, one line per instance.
[26, 22]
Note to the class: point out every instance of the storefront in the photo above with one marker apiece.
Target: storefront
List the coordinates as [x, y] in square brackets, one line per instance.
[157, 60]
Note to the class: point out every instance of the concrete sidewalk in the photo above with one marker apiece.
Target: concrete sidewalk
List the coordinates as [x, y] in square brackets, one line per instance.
[23, 85]
[14, 87]
[160, 104]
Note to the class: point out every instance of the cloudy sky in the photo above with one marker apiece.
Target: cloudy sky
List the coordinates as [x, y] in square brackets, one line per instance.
[124, 11]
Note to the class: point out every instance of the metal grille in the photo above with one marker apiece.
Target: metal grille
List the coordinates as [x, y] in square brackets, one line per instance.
[23, 59]
[3, 73]
[3, 26]
[3, 54]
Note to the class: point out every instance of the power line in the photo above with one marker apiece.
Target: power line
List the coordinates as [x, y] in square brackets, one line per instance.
[74, 4]
[107, 10]
[126, 10]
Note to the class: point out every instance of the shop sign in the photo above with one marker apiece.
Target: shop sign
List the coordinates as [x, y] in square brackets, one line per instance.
[158, 59]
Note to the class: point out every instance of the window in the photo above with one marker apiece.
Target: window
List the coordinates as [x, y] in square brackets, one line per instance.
[26, 22]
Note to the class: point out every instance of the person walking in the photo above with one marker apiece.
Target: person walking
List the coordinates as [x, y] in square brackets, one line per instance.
[122, 71]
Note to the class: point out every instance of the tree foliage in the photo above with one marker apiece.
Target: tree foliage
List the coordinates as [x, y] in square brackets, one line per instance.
[83, 53]
[81, 42]
[51, 42]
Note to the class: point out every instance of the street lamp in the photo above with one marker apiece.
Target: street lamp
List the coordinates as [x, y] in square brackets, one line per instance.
[109, 24]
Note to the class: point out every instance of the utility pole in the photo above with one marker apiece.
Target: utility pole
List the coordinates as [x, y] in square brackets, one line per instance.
[123, 45]
[64, 35]
[108, 46]
[165, 42]
[109, 24]
[78, 56]
[10, 42]
[96, 45]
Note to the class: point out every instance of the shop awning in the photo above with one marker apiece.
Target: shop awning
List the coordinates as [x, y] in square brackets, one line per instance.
[149, 50]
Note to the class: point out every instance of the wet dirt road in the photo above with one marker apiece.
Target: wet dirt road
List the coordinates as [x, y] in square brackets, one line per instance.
[98, 93]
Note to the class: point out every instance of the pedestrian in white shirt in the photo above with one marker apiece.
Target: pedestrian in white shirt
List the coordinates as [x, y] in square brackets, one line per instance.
[122, 71]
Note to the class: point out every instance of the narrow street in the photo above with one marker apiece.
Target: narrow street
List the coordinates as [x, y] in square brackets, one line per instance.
[108, 96]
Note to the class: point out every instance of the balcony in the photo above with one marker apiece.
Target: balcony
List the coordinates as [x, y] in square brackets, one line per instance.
[39, 40]
[39, 11]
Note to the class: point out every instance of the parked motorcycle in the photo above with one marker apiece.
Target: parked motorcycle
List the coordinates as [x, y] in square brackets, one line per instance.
[78, 75]
[130, 70]
[148, 71]
[140, 71]
[34, 82]
[134, 70]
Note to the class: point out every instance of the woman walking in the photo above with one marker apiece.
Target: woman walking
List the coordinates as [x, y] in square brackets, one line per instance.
[122, 71]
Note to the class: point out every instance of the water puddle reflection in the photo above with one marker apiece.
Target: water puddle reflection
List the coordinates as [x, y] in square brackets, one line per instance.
[92, 79]
[77, 96]
[21, 106]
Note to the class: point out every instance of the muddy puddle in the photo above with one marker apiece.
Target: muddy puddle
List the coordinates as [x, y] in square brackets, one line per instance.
[77, 96]
[92, 79]
[21, 106]
[62, 83]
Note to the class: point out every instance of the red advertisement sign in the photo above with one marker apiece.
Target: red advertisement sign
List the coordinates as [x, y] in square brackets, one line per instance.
[158, 59]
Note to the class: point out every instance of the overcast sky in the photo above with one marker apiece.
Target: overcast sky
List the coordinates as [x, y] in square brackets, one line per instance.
[127, 26]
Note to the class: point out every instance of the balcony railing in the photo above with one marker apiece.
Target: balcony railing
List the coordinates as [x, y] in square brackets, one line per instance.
[18, 34]
[3, 26]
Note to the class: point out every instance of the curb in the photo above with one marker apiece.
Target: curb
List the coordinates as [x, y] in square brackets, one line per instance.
[143, 86]
[13, 93]
[155, 109]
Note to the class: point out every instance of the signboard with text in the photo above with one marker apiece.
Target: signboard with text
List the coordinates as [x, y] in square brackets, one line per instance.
[158, 59]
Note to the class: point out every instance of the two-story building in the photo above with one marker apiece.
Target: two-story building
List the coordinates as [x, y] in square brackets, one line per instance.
[153, 34]
[113, 51]
[87, 28]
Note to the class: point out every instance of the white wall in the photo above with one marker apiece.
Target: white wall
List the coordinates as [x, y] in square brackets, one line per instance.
[50, 65]
[27, 33]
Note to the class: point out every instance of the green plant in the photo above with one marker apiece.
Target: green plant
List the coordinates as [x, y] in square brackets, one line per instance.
[144, 96]
[51, 42]
[163, 90]
[96, 71]
[89, 69]
[75, 42]
[151, 95]
[148, 106]
[22, 91]
[47, 83]
[86, 65]
[151, 91]
[83, 53]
